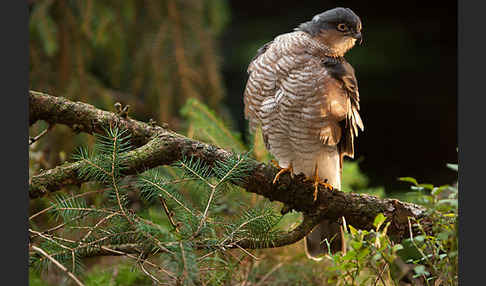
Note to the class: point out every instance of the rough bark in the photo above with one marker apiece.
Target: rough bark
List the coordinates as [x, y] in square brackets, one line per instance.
[160, 146]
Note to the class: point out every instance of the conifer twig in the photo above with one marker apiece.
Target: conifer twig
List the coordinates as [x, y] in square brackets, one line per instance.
[168, 194]
[59, 265]
[149, 274]
[32, 140]
[70, 198]
[169, 215]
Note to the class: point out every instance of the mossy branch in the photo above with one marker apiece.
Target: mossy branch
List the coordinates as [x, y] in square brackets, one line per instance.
[160, 146]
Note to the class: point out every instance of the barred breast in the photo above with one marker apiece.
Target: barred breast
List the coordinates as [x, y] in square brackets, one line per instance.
[298, 104]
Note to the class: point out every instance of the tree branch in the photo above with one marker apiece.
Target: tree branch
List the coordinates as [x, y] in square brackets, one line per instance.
[159, 146]
[284, 239]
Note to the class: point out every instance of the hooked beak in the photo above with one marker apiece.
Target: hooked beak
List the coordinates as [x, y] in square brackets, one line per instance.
[358, 37]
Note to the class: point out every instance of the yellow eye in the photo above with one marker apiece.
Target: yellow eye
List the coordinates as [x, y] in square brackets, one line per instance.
[342, 27]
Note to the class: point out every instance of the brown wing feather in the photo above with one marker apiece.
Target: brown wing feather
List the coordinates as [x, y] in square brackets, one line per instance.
[341, 70]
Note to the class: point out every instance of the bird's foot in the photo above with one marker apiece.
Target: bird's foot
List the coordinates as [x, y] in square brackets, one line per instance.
[316, 182]
[282, 170]
[322, 183]
[275, 163]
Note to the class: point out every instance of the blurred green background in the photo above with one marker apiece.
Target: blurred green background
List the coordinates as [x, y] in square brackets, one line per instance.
[156, 54]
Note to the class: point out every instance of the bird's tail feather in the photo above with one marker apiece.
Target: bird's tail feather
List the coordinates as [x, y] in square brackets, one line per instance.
[315, 242]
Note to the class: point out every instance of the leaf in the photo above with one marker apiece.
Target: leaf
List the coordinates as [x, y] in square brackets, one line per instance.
[437, 190]
[454, 167]
[408, 179]
[452, 202]
[420, 270]
[376, 257]
[350, 255]
[419, 238]
[356, 245]
[397, 247]
[379, 220]
[417, 188]
[353, 230]
[427, 186]
[385, 229]
[363, 253]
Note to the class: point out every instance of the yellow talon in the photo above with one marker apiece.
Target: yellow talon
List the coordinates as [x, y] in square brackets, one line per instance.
[275, 163]
[318, 182]
[283, 170]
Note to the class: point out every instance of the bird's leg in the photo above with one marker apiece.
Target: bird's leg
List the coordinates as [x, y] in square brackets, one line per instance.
[275, 163]
[283, 170]
[318, 182]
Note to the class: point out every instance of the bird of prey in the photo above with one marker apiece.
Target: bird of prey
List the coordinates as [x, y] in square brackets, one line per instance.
[304, 95]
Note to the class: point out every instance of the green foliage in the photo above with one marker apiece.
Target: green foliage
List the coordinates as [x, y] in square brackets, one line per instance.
[367, 256]
[371, 257]
[195, 229]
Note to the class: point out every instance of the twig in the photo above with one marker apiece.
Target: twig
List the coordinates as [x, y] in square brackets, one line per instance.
[120, 205]
[96, 226]
[168, 273]
[169, 215]
[41, 251]
[206, 255]
[184, 272]
[149, 274]
[168, 194]
[380, 275]
[269, 273]
[213, 191]
[60, 225]
[50, 239]
[238, 228]
[415, 244]
[246, 252]
[70, 198]
[201, 222]
[44, 132]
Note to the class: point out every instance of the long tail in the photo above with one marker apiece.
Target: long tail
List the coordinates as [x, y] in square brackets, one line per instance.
[329, 167]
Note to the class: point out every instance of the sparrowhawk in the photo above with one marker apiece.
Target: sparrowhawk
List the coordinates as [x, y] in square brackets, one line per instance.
[304, 94]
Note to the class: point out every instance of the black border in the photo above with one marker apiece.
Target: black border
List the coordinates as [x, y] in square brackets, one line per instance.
[471, 104]
[14, 122]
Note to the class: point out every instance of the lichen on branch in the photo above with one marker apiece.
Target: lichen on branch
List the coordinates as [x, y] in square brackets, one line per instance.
[158, 146]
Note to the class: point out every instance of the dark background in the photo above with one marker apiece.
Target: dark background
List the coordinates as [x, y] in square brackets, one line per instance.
[406, 70]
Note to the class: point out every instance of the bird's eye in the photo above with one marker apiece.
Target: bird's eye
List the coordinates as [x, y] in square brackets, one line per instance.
[342, 27]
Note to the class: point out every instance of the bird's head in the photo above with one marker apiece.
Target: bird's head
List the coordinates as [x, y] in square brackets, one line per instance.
[338, 29]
